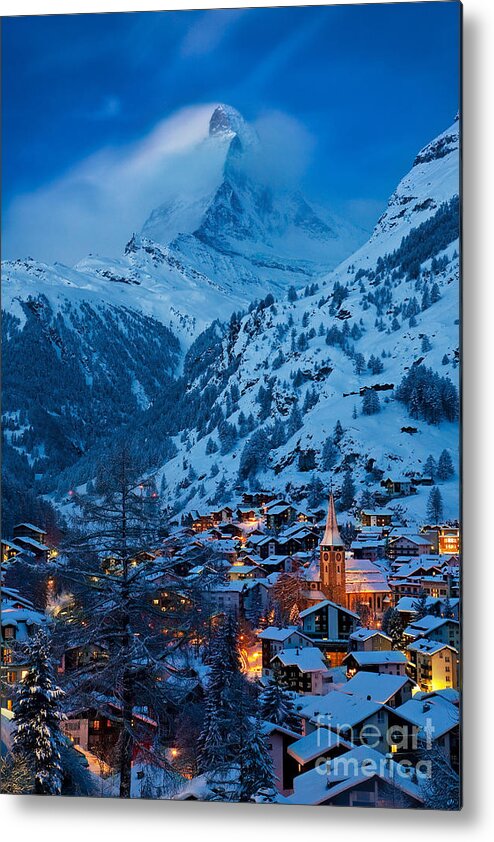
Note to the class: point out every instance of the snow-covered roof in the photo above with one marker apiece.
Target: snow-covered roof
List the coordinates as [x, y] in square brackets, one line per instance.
[435, 715]
[278, 634]
[427, 624]
[365, 634]
[428, 647]
[347, 771]
[379, 657]
[307, 659]
[337, 709]
[31, 542]
[30, 526]
[315, 744]
[375, 685]
[324, 604]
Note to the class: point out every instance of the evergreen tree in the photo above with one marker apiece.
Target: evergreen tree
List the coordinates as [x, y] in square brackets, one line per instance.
[256, 774]
[276, 704]
[359, 363]
[37, 737]
[330, 454]
[338, 432]
[347, 495]
[426, 344]
[435, 506]
[445, 468]
[370, 402]
[316, 492]
[430, 467]
[393, 625]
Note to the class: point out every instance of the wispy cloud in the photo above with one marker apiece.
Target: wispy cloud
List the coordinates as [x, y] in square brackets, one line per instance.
[97, 204]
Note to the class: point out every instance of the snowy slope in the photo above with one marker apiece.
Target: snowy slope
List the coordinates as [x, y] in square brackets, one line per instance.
[329, 370]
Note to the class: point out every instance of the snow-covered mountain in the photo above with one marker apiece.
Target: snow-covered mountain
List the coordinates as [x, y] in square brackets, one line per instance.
[224, 239]
[256, 396]
[287, 372]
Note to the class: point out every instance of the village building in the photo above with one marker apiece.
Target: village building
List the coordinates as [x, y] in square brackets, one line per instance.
[19, 621]
[369, 640]
[367, 589]
[436, 716]
[408, 546]
[435, 664]
[376, 517]
[321, 742]
[387, 662]
[442, 629]
[397, 486]
[279, 514]
[361, 777]
[329, 625]
[304, 671]
[274, 639]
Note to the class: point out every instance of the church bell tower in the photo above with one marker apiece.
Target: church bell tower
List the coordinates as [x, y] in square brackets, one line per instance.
[332, 559]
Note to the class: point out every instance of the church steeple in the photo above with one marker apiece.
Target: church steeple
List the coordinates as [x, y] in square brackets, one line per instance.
[332, 537]
[332, 559]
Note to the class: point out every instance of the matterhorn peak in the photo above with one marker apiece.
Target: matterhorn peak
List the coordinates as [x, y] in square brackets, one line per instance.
[226, 122]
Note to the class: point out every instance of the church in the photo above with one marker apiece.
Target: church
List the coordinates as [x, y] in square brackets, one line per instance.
[326, 576]
[332, 559]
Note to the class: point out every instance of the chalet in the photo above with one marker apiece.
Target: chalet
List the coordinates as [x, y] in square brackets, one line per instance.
[397, 486]
[442, 629]
[387, 662]
[258, 499]
[368, 548]
[407, 606]
[369, 640]
[18, 624]
[10, 550]
[279, 514]
[329, 625]
[274, 640]
[437, 718]
[409, 546]
[229, 530]
[376, 517]
[278, 564]
[347, 715]
[99, 732]
[29, 530]
[223, 515]
[278, 741]
[241, 572]
[445, 539]
[36, 549]
[248, 515]
[435, 664]
[201, 521]
[270, 545]
[303, 670]
[361, 777]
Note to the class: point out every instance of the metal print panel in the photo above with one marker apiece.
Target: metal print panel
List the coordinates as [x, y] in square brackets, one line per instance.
[231, 358]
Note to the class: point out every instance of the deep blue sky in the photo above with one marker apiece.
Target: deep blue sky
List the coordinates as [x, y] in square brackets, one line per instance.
[371, 83]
